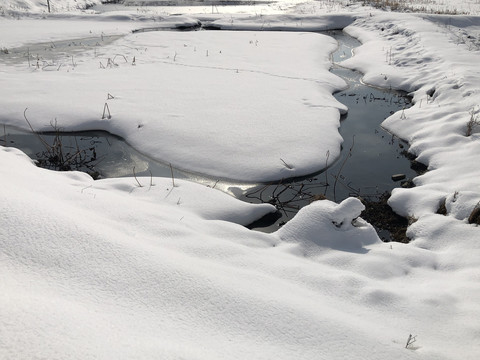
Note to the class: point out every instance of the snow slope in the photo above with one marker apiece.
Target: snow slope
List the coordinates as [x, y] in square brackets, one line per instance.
[106, 269]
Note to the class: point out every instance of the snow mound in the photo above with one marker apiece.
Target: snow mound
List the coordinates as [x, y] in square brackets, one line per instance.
[183, 198]
[325, 224]
[226, 104]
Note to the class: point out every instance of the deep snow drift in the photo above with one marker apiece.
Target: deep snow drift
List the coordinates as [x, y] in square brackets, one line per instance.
[108, 269]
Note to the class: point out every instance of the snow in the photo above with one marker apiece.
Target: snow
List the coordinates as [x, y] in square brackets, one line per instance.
[110, 269]
[341, 219]
[248, 74]
[284, 22]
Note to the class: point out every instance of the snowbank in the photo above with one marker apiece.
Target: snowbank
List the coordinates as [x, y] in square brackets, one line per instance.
[435, 59]
[207, 102]
[285, 22]
[106, 268]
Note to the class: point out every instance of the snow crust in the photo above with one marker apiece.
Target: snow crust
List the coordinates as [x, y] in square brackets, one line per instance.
[108, 269]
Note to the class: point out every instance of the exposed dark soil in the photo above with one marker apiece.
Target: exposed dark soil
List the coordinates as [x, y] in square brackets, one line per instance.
[474, 217]
[389, 225]
[415, 165]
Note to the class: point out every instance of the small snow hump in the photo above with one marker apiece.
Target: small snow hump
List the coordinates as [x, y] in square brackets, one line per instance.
[327, 225]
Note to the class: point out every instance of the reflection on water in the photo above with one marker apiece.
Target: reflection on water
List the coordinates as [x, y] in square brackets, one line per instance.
[113, 156]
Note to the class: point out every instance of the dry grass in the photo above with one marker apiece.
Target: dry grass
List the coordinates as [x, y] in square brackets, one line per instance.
[473, 123]
[422, 6]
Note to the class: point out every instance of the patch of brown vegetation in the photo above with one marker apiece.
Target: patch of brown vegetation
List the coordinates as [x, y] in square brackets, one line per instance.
[474, 217]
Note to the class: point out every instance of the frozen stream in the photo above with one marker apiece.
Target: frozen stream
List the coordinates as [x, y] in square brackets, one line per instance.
[370, 155]
[369, 158]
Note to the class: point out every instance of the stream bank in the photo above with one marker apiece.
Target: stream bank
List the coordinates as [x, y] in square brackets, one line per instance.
[369, 158]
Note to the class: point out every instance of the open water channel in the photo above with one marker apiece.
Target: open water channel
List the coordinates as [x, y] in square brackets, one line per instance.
[369, 157]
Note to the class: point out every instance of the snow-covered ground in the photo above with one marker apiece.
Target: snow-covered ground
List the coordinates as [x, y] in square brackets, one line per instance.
[110, 269]
[204, 101]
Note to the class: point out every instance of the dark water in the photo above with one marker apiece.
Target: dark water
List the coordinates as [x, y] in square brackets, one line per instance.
[376, 154]
[370, 155]
[113, 156]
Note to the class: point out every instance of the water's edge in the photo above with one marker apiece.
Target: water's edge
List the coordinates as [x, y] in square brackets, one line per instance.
[369, 157]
